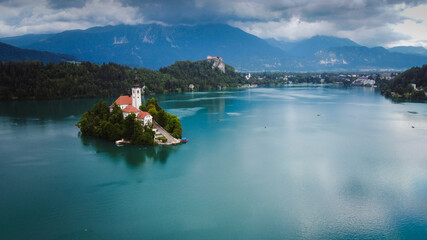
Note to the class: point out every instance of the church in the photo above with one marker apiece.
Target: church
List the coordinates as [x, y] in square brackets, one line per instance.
[131, 103]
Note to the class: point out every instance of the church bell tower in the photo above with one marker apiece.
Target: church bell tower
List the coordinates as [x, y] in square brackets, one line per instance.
[136, 94]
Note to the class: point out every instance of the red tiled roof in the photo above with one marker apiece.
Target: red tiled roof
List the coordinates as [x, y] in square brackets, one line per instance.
[124, 100]
[143, 114]
[131, 109]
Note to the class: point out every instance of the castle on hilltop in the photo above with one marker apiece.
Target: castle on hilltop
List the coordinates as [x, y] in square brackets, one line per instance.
[217, 63]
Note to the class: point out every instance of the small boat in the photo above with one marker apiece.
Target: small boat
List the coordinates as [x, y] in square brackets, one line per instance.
[184, 140]
[122, 142]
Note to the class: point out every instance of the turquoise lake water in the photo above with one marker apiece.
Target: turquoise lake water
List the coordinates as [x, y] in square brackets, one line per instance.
[264, 163]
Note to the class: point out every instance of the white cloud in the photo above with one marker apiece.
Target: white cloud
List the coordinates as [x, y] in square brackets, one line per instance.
[361, 21]
[38, 17]
[294, 29]
[369, 22]
[415, 27]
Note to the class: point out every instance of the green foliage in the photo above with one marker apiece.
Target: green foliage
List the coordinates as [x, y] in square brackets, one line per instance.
[163, 139]
[36, 80]
[173, 126]
[201, 74]
[162, 117]
[401, 87]
[168, 121]
[101, 123]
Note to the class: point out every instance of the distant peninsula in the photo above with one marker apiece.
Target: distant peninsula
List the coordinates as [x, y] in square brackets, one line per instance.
[409, 85]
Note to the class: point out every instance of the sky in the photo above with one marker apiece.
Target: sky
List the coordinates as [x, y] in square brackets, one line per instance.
[385, 23]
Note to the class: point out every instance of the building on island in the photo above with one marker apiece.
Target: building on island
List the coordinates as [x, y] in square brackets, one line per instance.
[136, 94]
[131, 103]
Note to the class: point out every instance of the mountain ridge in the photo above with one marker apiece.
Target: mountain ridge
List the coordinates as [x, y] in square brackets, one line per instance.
[154, 46]
[12, 53]
[409, 50]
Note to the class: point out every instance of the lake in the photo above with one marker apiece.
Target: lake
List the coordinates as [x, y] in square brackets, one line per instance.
[303, 162]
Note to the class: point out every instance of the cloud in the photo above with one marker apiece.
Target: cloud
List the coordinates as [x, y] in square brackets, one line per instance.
[371, 22]
[41, 17]
[293, 29]
[415, 26]
[66, 4]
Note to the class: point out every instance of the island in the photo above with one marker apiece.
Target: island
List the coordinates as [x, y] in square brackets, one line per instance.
[127, 120]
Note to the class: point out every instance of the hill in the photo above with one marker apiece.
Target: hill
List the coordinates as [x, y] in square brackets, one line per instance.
[312, 45]
[201, 74]
[11, 53]
[401, 86]
[35, 80]
[362, 58]
[409, 50]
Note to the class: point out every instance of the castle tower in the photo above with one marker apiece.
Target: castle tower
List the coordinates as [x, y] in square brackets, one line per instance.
[136, 94]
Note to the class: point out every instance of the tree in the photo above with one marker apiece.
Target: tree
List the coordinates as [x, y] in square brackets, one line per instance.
[129, 126]
[174, 126]
[162, 118]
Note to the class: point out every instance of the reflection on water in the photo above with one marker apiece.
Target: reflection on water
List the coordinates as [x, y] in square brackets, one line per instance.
[134, 156]
[48, 109]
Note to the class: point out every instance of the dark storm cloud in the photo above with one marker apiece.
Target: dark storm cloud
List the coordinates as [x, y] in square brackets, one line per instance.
[359, 19]
[66, 4]
[170, 11]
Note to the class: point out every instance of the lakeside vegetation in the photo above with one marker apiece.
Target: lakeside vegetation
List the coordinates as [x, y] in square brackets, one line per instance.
[168, 121]
[36, 80]
[401, 87]
[102, 123]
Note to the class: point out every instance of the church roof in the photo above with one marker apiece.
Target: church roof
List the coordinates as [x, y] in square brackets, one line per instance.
[143, 114]
[124, 100]
[131, 109]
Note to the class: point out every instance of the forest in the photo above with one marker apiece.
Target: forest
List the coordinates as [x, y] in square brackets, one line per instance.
[401, 86]
[36, 80]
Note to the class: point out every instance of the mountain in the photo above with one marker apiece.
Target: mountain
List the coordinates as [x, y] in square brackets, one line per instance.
[284, 45]
[154, 46]
[409, 50]
[11, 53]
[312, 45]
[362, 59]
[24, 40]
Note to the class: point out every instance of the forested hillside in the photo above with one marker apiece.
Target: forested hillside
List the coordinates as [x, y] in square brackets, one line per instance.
[401, 86]
[201, 74]
[36, 80]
